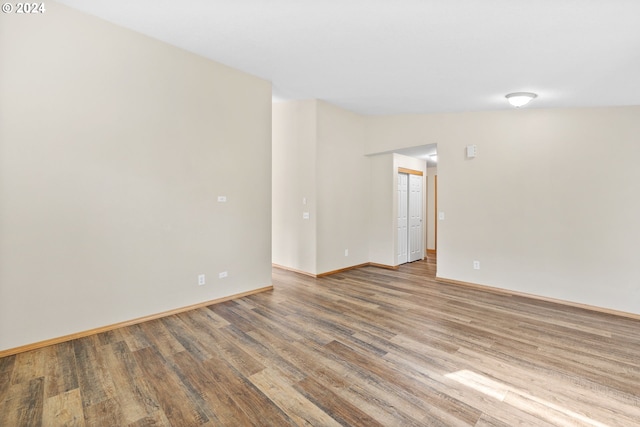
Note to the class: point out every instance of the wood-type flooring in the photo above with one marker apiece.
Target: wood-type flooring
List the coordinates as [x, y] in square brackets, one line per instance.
[367, 347]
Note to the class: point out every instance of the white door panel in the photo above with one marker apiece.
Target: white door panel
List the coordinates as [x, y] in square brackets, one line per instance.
[409, 218]
[403, 218]
[415, 217]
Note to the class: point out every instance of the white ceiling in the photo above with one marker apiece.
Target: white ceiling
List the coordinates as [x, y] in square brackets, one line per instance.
[408, 56]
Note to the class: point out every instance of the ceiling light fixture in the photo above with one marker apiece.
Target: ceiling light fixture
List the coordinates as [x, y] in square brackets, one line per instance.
[518, 99]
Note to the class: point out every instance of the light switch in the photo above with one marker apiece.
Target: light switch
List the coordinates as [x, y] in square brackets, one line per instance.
[305, 215]
[304, 200]
[441, 216]
[222, 198]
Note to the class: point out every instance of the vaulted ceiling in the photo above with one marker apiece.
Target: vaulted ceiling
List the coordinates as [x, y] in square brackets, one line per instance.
[408, 56]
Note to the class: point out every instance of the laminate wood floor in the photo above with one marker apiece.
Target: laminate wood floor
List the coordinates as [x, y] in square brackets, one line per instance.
[367, 347]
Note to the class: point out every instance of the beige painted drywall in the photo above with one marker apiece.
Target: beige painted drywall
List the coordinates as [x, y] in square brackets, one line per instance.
[113, 150]
[549, 206]
[383, 219]
[343, 189]
[430, 215]
[318, 152]
[294, 183]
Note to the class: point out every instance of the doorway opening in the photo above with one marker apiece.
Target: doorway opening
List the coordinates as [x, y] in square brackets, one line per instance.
[428, 153]
[410, 216]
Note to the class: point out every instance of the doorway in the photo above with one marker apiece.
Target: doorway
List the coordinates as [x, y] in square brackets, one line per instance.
[410, 216]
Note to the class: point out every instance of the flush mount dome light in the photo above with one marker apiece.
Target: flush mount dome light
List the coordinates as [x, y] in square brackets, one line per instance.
[518, 99]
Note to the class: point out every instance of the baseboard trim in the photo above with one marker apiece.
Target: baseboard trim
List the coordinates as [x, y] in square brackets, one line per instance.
[341, 270]
[431, 252]
[58, 340]
[541, 298]
[386, 267]
[282, 267]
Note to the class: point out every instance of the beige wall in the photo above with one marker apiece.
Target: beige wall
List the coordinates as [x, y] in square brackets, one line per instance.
[548, 206]
[294, 181]
[318, 152]
[113, 150]
[383, 218]
[343, 189]
[431, 216]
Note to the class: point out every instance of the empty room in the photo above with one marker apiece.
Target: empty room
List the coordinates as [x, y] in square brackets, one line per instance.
[320, 213]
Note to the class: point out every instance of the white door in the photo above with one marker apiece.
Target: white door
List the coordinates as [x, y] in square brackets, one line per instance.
[415, 218]
[403, 218]
[409, 218]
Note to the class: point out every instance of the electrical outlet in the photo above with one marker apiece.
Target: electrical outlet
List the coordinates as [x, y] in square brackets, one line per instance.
[346, 252]
[201, 279]
[476, 265]
[222, 275]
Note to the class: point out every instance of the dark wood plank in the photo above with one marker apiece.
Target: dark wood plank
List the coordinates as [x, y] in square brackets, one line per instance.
[135, 337]
[226, 311]
[161, 338]
[337, 408]
[168, 389]
[93, 375]
[60, 370]
[210, 391]
[24, 404]
[6, 372]
[258, 407]
[222, 347]
[190, 342]
[132, 392]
